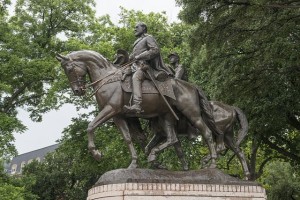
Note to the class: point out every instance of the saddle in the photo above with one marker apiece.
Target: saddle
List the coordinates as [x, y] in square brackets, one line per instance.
[149, 88]
[147, 85]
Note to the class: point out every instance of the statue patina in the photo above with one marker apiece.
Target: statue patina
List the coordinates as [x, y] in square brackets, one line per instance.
[147, 57]
[106, 80]
[179, 70]
[225, 116]
[107, 84]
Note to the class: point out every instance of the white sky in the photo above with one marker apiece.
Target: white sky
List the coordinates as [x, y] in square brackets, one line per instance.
[45, 133]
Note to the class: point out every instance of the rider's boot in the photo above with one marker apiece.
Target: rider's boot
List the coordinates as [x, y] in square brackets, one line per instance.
[135, 108]
[137, 94]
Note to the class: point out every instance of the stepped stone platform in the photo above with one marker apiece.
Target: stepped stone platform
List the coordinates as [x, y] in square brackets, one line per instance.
[146, 184]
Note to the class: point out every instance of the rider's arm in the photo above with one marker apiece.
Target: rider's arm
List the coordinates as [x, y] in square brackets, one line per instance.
[179, 72]
[152, 52]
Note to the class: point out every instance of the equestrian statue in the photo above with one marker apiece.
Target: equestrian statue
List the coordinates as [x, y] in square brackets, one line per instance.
[150, 93]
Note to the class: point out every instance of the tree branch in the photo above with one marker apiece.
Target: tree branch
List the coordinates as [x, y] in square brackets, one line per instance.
[9, 100]
[293, 121]
[283, 5]
[281, 150]
[253, 155]
[263, 164]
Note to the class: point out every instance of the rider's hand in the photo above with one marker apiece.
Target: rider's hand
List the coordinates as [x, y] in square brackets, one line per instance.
[144, 67]
[131, 57]
[136, 57]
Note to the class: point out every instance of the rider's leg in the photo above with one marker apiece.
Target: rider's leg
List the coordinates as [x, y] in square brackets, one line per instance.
[137, 80]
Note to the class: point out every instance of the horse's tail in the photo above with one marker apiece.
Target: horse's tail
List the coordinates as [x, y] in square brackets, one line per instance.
[244, 126]
[207, 113]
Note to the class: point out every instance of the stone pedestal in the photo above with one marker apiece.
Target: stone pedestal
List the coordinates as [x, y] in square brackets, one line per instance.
[145, 184]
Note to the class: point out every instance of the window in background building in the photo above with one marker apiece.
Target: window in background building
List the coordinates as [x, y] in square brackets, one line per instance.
[14, 168]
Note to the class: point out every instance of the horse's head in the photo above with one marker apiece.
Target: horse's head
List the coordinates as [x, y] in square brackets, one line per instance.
[75, 71]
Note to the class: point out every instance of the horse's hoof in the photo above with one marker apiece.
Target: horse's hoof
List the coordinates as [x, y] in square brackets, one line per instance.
[147, 152]
[97, 155]
[133, 165]
[91, 148]
[185, 168]
[247, 176]
[151, 158]
[157, 165]
[212, 166]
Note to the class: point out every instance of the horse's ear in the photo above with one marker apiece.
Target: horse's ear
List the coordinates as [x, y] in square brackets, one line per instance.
[60, 57]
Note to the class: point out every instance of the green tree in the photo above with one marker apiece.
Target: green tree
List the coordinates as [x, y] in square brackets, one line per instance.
[282, 181]
[14, 188]
[6, 147]
[247, 53]
[71, 171]
[28, 41]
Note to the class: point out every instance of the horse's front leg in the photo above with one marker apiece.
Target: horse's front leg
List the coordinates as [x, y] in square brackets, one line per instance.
[106, 113]
[168, 124]
[156, 139]
[123, 127]
[207, 134]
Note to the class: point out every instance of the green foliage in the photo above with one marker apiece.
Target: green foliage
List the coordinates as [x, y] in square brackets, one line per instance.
[71, 170]
[14, 188]
[247, 53]
[282, 181]
[244, 53]
[7, 149]
[28, 71]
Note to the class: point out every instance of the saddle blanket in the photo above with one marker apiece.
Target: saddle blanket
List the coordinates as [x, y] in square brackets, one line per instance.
[147, 86]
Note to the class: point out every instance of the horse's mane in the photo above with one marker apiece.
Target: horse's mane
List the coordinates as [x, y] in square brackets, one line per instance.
[89, 55]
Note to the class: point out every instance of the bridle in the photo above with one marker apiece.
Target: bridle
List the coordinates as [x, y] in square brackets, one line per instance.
[102, 81]
[80, 81]
[105, 79]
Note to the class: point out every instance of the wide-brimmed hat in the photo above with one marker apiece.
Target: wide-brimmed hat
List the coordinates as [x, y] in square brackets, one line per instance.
[121, 57]
[123, 52]
[173, 54]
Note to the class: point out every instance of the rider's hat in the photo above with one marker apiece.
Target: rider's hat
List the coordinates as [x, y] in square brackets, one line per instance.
[173, 54]
[123, 52]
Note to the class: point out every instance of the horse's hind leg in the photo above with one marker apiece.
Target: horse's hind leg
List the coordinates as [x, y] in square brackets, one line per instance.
[236, 149]
[181, 156]
[168, 125]
[123, 127]
[158, 133]
[207, 134]
[205, 159]
[160, 136]
[137, 132]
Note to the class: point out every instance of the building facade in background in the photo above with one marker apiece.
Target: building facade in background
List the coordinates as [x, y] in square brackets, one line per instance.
[19, 162]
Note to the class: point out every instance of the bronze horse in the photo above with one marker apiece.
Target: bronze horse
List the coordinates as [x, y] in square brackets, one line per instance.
[226, 117]
[111, 98]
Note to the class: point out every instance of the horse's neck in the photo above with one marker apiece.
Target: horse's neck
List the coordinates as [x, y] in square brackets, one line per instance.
[99, 72]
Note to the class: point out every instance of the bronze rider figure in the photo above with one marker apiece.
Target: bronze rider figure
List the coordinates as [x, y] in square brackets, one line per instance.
[146, 54]
[179, 69]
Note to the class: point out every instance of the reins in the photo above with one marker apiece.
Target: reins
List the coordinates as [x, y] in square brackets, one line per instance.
[105, 79]
[120, 69]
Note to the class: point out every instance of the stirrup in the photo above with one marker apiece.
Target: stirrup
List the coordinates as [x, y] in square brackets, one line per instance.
[133, 109]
